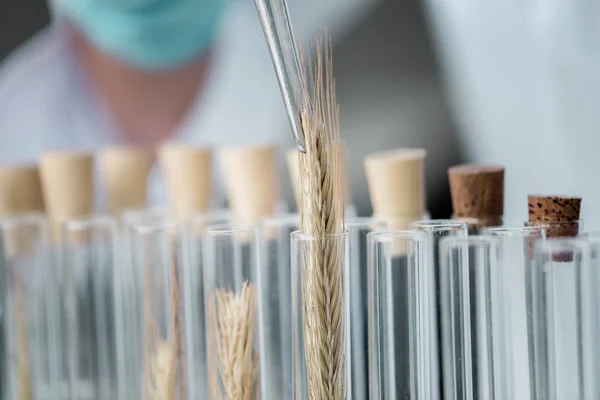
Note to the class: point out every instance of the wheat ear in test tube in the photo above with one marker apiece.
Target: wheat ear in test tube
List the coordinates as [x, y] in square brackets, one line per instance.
[322, 214]
[292, 156]
[68, 186]
[20, 192]
[187, 171]
[477, 193]
[125, 172]
[251, 181]
[163, 357]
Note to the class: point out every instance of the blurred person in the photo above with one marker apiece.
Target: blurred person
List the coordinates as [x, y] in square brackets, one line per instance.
[141, 72]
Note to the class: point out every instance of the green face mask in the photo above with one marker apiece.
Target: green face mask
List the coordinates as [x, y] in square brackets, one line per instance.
[148, 34]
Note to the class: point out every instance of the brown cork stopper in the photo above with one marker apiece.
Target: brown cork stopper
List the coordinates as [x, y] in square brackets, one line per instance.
[252, 182]
[125, 174]
[188, 175]
[558, 214]
[477, 193]
[20, 193]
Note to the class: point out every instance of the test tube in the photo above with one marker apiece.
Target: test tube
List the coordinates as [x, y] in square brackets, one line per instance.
[566, 320]
[320, 307]
[358, 229]
[151, 327]
[29, 346]
[591, 314]
[230, 256]
[274, 306]
[515, 261]
[193, 301]
[472, 294]
[435, 231]
[401, 365]
[87, 294]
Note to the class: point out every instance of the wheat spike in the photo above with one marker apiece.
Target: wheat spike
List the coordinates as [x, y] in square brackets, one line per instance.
[321, 210]
[234, 340]
[163, 358]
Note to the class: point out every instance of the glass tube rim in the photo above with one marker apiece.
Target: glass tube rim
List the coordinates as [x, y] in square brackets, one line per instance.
[390, 235]
[300, 236]
[514, 231]
[29, 218]
[452, 242]
[547, 224]
[592, 236]
[437, 224]
[229, 229]
[87, 222]
[561, 244]
[155, 226]
[279, 220]
[357, 222]
[212, 214]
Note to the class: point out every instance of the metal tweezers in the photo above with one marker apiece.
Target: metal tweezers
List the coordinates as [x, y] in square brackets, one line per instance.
[277, 27]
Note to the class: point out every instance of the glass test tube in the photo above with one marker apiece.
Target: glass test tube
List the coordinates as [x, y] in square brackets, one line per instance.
[193, 302]
[87, 294]
[274, 306]
[230, 261]
[591, 314]
[401, 365]
[29, 346]
[437, 230]
[472, 319]
[515, 262]
[151, 325]
[358, 228]
[320, 325]
[566, 320]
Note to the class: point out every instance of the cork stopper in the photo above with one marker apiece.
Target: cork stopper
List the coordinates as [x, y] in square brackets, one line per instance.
[125, 175]
[20, 190]
[188, 174]
[396, 181]
[20, 193]
[477, 193]
[68, 186]
[251, 182]
[559, 215]
[292, 160]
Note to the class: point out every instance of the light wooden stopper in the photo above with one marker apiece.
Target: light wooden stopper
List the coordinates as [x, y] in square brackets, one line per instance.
[188, 175]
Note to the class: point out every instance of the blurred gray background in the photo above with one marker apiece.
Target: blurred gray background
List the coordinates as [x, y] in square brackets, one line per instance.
[389, 89]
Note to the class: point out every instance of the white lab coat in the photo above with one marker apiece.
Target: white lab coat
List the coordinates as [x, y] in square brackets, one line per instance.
[46, 102]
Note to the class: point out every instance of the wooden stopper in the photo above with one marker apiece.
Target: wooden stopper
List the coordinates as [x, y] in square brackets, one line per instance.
[292, 159]
[477, 193]
[251, 182]
[20, 193]
[558, 214]
[125, 175]
[20, 190]
[68, 186]
[396, 181]
[188, 174]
